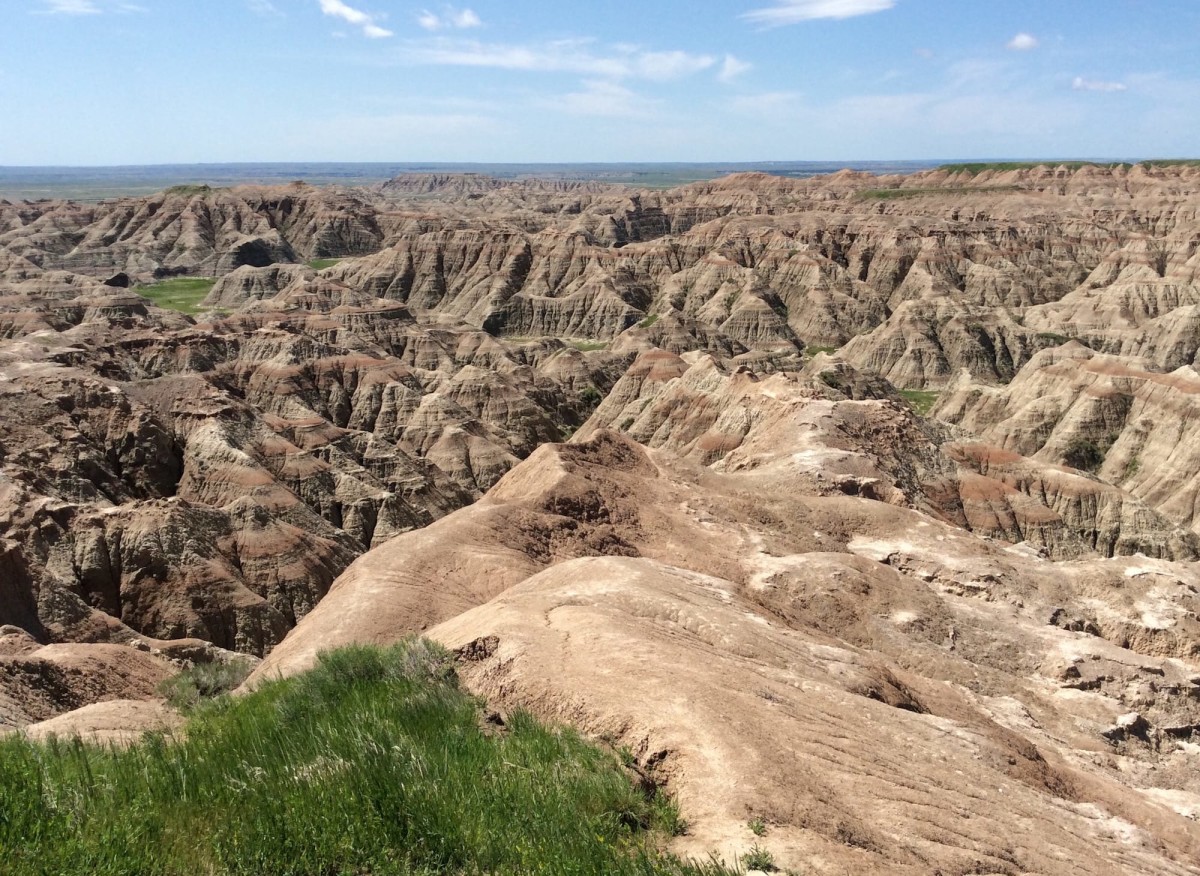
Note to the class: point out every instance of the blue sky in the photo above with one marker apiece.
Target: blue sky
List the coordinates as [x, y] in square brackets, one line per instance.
[159, 81]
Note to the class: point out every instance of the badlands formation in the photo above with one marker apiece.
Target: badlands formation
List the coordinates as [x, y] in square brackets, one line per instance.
[861, 507]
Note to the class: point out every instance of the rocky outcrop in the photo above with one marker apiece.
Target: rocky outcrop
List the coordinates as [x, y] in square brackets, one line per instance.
[825, 431]
[1113, 416]
[192, 230]
[180, 480]
[641, 597]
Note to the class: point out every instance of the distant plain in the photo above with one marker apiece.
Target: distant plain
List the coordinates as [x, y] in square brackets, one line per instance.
[98, 183]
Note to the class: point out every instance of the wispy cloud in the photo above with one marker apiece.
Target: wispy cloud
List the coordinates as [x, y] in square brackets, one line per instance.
[732, 68]
[668, 65]
[70, 7]
[87, 7]
[357, 17]
[602, 98]
[450, 18]
[796, 11]
[562, 56]
[1022, 42]
[264, 8]
[769, 104]
[1081, 84]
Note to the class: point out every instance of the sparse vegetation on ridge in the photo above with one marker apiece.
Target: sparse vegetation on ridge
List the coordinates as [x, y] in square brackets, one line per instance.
[375, 762]
[976, 167]
[189, 189]
[897, 194]
[322, 264]
[181, 293]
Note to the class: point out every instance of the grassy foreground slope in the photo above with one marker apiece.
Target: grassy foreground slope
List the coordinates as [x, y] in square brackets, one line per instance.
[375, 762]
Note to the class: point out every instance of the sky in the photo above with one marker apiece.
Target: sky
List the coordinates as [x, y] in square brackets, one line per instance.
[113, 82]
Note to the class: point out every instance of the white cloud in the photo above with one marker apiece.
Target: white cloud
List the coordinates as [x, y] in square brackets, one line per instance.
[796, 11]
[263, 7]
[1081, 84]
[1022, 42]
[600, 98]
[338, 9]
[731, 68]
[70, 7]
[769, 104]
[669, 65]
[562, 56]
[450, 18]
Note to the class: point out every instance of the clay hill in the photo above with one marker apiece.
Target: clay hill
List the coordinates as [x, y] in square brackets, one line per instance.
[655, 464]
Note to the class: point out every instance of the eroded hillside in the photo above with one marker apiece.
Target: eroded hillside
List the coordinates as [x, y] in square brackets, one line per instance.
[655, 463]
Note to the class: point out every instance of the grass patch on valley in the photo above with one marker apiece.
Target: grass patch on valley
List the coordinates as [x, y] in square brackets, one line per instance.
[921, 400]
[374, 762]
[812, 350]
[322, 264]
[180, 293]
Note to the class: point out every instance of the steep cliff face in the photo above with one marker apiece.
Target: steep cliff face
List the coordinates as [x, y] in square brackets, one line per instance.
[1113, 416]
[192, 230]
[937, 271]
[211, 480]
[824, 432]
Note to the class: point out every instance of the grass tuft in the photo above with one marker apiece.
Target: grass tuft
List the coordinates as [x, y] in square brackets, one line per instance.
[375, 762]
[204, 681]
[759, 858]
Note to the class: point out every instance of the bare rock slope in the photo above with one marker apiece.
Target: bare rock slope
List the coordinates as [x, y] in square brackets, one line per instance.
[885, 665]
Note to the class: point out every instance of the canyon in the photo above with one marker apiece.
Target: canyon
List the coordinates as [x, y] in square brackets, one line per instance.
[862, 507]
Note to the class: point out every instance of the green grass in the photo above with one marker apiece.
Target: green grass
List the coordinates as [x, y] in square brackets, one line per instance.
[648, 321]
[181, 293]
[1172, 162]
[201, 682]
[588, 346]
[897, 194]
[976, 167]
[921, 400]
[759, 858]
[189, 189]
[322, 264]
[374, 762]
[811, 350]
